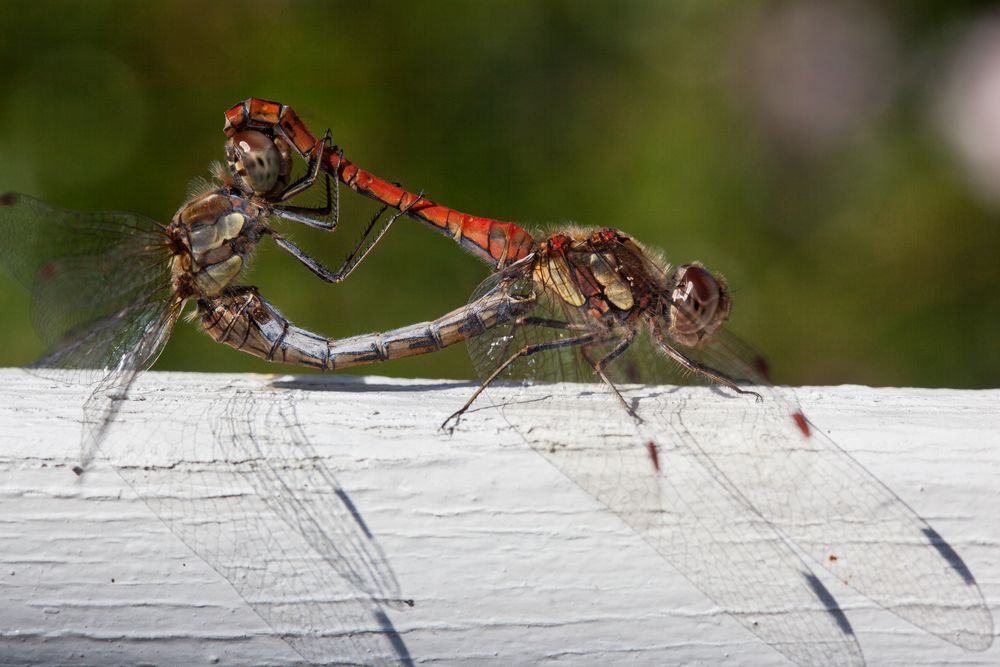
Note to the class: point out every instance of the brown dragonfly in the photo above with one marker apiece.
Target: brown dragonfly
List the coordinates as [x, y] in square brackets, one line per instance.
[106, 290]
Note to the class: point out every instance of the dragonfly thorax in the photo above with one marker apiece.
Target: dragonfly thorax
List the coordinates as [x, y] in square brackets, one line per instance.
[615, 280]
[214, 235]
[602, 271]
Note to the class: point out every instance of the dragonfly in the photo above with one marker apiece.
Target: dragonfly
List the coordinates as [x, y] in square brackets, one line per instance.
[497, 242]
[595, 314]
[516, 301]
[106, 289]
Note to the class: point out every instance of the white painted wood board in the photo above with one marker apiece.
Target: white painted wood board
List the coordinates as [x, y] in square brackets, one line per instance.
[507, 561]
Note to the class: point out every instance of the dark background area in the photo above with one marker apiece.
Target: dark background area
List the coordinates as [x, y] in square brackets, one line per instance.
[839, 163]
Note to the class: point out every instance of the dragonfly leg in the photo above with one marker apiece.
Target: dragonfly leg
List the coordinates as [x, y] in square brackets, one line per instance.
[701, 369]
[622, 345]
[231, 293]
[552, 324]
[361, 249]
[525, 351]
[368, 240]
[331, 205]
[312, 170]
[328, 214]
[321, 271]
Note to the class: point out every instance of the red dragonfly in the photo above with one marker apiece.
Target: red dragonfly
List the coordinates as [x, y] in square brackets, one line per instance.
[584, 323]
[495, 241]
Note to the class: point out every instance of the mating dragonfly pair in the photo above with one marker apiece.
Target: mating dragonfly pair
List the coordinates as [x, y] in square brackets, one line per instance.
[589, 308]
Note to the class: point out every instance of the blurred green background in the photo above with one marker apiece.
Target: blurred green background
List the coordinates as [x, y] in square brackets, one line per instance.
[837, 162]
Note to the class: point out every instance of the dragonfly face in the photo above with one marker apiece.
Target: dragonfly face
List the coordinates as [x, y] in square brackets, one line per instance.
[260, 165]
[699, 305]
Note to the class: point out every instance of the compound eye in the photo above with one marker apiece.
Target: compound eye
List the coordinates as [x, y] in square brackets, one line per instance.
[254, 161]
[699, 304]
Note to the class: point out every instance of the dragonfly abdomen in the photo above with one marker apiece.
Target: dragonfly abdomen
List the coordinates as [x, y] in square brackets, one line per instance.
[496, 241]
[246, 321]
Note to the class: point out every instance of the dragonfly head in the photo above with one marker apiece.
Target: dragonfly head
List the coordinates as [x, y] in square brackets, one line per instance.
[699, 304]
[258, 164]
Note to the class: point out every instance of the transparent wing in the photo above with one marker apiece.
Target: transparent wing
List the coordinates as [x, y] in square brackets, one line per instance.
[836, 511]
[101, 297]
[239, 483]
[99, 284]
[102, 405]
[253, 501]
[672, 499]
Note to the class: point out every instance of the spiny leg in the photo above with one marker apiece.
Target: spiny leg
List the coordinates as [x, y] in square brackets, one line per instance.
[525, 351]
[599, 365]
[622, 345]
[330, 210]
[310, 213]
[696, 367]
[312, 171]
[235, 291]
[364, 246]
[551, 324]
[321, 271]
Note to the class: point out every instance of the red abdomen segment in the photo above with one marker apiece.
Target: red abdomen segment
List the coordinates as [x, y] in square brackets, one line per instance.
[495, 241]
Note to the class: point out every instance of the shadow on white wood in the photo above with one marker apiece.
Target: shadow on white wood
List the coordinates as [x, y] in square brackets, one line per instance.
[507, 561]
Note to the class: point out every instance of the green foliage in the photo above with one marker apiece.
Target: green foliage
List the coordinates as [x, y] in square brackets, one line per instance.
[868, 261]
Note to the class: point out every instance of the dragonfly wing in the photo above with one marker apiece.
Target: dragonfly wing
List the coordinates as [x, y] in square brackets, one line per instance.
[102, 405]
[260, 509]
[834, 509]
[101, 297]
[242, 486]
[670, 498]
[99, 284]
